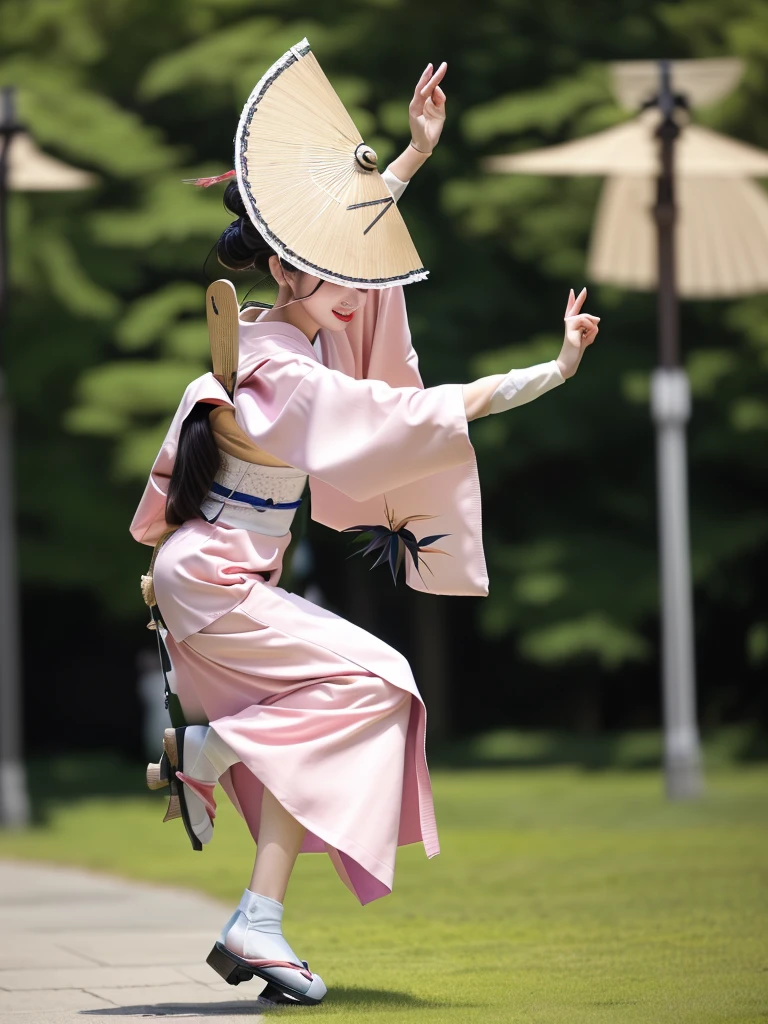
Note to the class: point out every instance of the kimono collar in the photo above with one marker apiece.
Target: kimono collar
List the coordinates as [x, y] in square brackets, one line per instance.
[253, 332]
[331, 348]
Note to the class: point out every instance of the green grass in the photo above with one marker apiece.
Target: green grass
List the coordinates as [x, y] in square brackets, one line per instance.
[560, 896]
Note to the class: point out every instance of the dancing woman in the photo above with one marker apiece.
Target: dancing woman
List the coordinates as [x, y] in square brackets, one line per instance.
[315, 728]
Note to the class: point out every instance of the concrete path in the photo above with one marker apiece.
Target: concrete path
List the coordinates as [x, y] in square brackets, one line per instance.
[76, 947]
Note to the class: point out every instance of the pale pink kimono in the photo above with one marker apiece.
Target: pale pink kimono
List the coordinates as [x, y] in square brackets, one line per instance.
[322, 713]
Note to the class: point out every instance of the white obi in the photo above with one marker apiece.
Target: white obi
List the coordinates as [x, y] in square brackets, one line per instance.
[278, 485]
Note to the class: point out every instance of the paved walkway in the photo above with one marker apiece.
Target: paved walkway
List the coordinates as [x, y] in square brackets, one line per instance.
[76, 947]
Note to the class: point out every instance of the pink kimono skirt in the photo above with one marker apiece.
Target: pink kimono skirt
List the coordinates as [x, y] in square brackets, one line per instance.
[323, 714]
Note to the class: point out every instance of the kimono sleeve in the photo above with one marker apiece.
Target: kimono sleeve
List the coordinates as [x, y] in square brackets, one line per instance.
[361, 437]
[148, 524]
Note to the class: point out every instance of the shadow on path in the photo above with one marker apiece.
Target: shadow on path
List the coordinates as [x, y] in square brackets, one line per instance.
[364, 998]
[237, 1008]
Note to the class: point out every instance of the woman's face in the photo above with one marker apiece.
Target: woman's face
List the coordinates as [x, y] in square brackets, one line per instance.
[332, 306]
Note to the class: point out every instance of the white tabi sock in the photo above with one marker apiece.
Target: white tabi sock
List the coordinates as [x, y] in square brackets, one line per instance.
[255, 930]
[206, 755]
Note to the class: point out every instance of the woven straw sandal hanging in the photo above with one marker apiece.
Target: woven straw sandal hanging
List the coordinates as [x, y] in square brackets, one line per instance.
[311, 186]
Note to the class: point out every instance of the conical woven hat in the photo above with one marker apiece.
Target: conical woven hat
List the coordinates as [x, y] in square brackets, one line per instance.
[310, 184]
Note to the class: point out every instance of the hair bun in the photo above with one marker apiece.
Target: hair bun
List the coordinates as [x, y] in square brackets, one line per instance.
[233, 201]
[232, 249]
[241, 246]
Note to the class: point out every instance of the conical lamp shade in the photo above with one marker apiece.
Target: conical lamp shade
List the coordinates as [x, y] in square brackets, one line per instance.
[31, 170]
[722, 237]
[310, 184]
[632, 148]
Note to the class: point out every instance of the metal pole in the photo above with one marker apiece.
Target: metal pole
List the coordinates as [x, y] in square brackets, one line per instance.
[671, 409]
[14, 804]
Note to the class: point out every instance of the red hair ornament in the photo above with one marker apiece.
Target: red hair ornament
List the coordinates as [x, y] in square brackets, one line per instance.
[207, 182]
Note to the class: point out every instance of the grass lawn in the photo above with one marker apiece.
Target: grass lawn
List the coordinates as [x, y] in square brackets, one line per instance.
[560, 896]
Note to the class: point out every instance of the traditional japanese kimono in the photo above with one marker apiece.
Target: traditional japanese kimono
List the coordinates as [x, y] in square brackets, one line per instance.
[322, 713]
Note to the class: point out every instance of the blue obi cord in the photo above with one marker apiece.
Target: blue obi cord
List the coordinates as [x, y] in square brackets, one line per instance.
[249, 499]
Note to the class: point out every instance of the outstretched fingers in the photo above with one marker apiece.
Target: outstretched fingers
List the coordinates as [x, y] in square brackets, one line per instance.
[416, 105]
[428, 98]
[426, 74]
[428, 88]
[574, 304]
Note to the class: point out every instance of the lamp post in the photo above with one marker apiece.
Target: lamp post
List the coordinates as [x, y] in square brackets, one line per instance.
[22, 166]
[671, 410]
[14, 807]
[708, 236]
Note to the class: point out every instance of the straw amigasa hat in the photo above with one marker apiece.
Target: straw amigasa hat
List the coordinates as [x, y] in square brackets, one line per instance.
[311, 186]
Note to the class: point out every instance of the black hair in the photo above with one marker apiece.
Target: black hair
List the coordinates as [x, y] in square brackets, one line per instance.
[241, 247]
[197, 462]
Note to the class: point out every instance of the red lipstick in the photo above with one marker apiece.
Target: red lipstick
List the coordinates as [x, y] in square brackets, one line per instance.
[342, 317]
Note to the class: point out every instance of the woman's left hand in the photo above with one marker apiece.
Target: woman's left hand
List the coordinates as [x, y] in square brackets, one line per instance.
[426, 111]
[580, 331]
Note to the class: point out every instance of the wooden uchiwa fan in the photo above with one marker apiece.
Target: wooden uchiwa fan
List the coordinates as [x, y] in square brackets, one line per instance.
[223, 313]
[310, 183]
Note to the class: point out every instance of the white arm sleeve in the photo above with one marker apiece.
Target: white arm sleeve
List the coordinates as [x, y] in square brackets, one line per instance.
[395, 186]
[521, 386]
